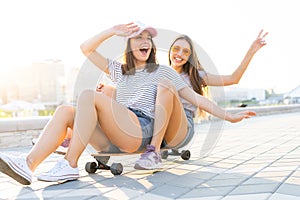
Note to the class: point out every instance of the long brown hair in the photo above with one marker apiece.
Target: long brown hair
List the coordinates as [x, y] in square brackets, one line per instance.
[192, 66]
[128, 67]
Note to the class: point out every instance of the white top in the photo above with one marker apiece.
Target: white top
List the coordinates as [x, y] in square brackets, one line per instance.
[187, 105]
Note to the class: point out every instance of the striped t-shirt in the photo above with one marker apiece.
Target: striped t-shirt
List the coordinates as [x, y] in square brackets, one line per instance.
[139, 91]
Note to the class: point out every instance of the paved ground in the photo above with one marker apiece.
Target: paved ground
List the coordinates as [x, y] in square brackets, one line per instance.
[255, 159]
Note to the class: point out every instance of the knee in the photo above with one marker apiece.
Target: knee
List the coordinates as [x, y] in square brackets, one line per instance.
[65, 110]
[65, 113]
[109, 90]
[166, 85]
[87, 95]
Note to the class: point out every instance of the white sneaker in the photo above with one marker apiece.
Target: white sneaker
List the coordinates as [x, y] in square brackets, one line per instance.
[61, 172]
[16, 168]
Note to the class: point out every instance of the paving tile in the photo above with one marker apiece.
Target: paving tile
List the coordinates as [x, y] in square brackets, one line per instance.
[122, 193]
[189, 167]
[161, 177]
[282, 168]
[296, 173]
[263, 196]
[208, 192]
[186, 181]
[255, 189]
[16, 192]
[82, 193]
[272, 173]
[202, 175]
[147, 185]
[257, 180]
[201, 198]
[178, 172]
[279, 196]
[170, 191]
[290, 189]
[222, 182]
[149, 196]
[227, 175]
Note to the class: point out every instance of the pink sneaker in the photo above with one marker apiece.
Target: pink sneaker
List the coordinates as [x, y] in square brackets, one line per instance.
[150, 159]
[63, 148]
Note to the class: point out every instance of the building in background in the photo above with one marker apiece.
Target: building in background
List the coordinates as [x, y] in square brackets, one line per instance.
[293, 96]
[222, 94]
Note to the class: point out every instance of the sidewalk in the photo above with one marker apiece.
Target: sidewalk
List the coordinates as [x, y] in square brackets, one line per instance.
[256, 159]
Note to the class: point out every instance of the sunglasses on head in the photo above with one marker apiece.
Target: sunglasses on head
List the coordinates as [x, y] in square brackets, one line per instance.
[185, 51]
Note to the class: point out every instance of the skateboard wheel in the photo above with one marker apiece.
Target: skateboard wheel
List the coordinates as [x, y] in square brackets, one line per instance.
[116, 168]
[164, 154]
[91, 167]
[185, 155]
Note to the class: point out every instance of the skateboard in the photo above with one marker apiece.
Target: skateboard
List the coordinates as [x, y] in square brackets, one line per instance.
[117, 168]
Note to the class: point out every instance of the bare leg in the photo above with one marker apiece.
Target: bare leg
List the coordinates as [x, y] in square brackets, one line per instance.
[48, 142]
[170, 119]
[117, 122]
[170, 123]
[109, 91]
[69, 133]
[99, 141]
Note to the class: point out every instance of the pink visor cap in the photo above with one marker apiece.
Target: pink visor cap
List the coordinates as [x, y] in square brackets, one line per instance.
[143, 27]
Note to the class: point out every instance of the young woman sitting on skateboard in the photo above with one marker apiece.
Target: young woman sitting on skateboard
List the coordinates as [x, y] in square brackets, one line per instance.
[144, 90]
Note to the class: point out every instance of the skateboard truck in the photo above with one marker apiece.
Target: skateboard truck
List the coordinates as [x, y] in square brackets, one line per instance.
[184, 154]
[102, 160]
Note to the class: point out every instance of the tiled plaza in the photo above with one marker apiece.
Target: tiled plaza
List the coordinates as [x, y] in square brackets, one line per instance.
[258, 158]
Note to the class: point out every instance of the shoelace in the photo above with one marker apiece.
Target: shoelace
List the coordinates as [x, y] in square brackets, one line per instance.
[59, 166]
[21, 163]
[149, 149]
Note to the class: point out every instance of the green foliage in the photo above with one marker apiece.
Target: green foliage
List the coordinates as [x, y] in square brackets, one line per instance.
[11, 114]
[5, 114]
[46, 112]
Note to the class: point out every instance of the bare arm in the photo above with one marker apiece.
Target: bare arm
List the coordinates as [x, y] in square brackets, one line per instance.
[89, 47]
[235, 77]
[198, 100]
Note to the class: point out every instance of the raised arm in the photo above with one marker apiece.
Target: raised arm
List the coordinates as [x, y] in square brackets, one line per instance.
[203, 103]
[234, 78]
[89, 47]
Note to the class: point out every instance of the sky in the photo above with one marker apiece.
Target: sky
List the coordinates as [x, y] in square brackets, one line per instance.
[36, 30]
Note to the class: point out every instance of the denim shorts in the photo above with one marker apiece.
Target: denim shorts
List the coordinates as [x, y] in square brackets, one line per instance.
[147, 125]
[190, 132]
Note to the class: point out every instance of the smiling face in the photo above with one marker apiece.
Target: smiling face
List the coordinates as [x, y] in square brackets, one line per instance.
[180, 52]
[141, 46]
